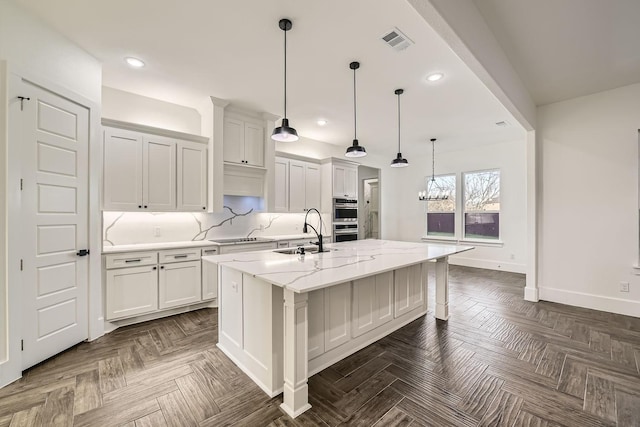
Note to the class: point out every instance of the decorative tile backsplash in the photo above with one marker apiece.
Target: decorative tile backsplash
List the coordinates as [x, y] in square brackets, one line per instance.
[239, 218]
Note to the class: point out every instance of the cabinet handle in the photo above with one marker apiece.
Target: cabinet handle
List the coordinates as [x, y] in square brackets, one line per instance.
[210, 251]
[155, 268]
[132, 260]
[139, 206]
[204, 207]
[180, 256]
[145, 206]
[162, 267]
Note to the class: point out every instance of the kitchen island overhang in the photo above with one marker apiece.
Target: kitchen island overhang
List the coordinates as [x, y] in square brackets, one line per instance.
[283, 317]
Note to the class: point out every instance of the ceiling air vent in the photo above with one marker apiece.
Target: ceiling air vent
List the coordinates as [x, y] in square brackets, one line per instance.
[397, 40]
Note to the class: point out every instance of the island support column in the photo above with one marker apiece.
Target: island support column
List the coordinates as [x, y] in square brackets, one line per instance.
[296, 348]
[442, 288]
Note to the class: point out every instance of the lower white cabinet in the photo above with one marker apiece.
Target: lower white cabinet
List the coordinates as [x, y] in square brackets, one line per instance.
[337, 315]
[372, 303]
[131, 291]
[179, 284]
[410, 285]
[209, 276]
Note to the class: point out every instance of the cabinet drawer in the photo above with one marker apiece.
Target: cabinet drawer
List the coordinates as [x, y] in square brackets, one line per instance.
[179, 255]
[131, 259]
[210, 251]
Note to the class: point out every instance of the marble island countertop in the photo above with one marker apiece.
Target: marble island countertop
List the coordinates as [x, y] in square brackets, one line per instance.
[345, 262]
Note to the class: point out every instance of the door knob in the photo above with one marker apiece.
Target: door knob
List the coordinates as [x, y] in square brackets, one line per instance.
[83, 252]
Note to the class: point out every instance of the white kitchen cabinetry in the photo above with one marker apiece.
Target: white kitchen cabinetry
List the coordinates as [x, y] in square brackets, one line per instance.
[192, 177]
[345, 181]
[243, 142]
[316, 323]
[410, 284]
[372, 302]
[248, 247]
[154, 173]
[133, 289]
[209, 275]
[297, 185]
[179, 283]
[337, 315]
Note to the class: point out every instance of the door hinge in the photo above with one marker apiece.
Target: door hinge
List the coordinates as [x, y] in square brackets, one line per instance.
[21, 265]
[22, 345]
[20, 184]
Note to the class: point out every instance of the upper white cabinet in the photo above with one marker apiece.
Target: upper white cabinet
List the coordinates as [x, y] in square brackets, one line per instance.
[297, 185]
[192, 176]
[243, 142]
[345, 181]
[153, 172]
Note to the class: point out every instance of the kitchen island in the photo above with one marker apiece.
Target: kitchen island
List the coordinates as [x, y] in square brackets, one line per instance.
[284, 317]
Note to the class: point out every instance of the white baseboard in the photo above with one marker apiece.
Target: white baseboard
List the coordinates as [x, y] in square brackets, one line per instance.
[594, 302]
[531, 294]
[488, 264]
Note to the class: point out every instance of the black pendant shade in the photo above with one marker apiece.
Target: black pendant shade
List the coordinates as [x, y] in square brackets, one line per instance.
[356, 150]
[399, 162]
[284, 132]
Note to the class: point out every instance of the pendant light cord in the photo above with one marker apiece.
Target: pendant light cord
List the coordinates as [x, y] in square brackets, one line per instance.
[398, 123]
[355, 117]
[285, 74]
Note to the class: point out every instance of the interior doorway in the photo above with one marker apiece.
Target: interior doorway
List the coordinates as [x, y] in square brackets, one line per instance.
[368, 203]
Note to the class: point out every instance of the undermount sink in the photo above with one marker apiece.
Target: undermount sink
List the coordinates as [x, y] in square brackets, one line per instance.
[294, 251]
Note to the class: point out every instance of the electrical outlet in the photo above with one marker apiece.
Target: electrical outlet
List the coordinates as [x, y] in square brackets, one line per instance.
[624, 286]
[156, 231]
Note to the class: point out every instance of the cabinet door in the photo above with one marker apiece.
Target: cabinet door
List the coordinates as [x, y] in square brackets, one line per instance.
[316, 323]
[312, 186]
[384, 298]
[281, 195]
[339, 181]
[351, 182]
[253, 144]
[337, 315]
[159, 174]
[192, 176]
[179, 284]
[122, 171]
[131, 291]
[209, 275]
[296, 186]
[233, 141]
[364, 305]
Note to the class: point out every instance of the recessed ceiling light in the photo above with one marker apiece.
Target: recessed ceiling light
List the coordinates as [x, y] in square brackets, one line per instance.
[435, 77]
[134, 62]
[322, 122]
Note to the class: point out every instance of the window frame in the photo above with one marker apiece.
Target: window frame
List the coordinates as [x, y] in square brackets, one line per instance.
[463, 210]
[456, 222]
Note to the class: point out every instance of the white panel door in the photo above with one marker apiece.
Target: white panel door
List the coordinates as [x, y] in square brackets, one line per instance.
[337, 315]
[351, 182]
[316, 323]
[192, 177]
[158, 174]
[179, 283]
[233, 141]
[364, 305]
[312, 186]
[55, 213]
[253, 144]
[296, 186]
[131, 291]
[122, 173]
[281, 174]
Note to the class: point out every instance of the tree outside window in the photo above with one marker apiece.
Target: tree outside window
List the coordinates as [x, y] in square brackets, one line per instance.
[441, 213]
[482, 205]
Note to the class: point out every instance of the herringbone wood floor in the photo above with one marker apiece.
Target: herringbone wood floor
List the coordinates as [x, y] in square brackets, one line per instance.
[498, 361]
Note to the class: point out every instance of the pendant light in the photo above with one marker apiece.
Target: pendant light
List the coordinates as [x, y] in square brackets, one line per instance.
[428, 194]
[284, 132]
[399, 162]
[356, 150]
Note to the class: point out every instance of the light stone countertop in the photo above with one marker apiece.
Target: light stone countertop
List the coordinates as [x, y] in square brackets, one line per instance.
[345, 262]
[197, 244]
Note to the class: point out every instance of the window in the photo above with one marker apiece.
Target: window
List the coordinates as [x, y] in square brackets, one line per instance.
[441, 214]
[482, 205]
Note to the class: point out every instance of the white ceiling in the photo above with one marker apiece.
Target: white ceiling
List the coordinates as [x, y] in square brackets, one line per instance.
[234, 50]
[567, 48]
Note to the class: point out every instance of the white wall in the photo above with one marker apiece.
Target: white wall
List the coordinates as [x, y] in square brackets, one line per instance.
[129, 107]
[589, 213]
[35, 51]
[403, 216]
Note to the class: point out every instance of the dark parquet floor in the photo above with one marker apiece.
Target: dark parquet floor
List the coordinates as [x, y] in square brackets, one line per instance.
[498, 361]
